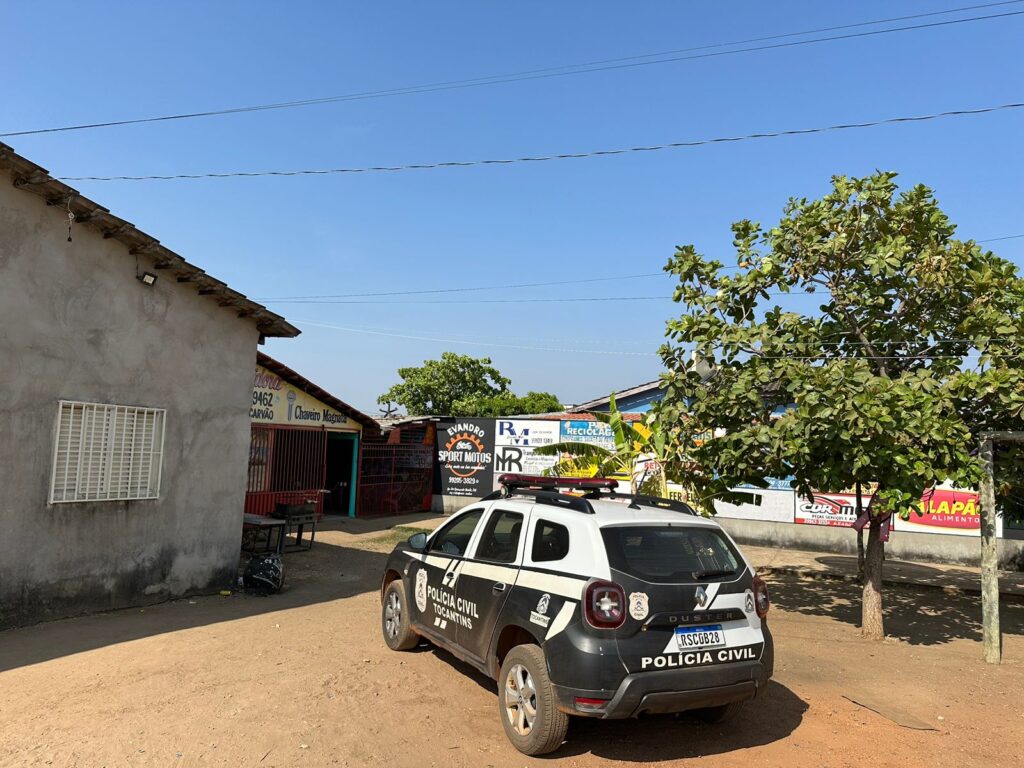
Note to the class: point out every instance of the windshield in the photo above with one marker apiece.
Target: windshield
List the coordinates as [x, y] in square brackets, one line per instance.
[671, 553]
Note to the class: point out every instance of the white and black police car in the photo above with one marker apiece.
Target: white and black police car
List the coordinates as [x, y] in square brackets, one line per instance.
[584, 602]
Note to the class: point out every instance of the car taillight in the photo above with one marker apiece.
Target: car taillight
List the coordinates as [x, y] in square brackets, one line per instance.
[605, 605]
[761, 601]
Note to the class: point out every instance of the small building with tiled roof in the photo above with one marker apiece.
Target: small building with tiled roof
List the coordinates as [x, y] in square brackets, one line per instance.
[306, 444]
[125, 410]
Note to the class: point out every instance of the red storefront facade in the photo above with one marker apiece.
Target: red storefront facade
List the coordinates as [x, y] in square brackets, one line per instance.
[305, 445]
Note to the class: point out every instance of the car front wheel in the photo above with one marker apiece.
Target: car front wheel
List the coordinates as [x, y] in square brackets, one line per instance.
[526, 702]
[394, 619]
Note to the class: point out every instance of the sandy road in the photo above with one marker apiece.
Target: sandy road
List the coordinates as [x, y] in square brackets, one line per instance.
[303, 678]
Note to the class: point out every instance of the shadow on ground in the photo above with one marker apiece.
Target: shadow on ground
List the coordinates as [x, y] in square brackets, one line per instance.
[902, 571]
[326, 572]
[361, 525]
[916, 616]
[764, 720]
[664, 737]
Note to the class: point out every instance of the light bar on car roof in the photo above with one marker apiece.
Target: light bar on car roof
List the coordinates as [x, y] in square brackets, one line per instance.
[540, 482]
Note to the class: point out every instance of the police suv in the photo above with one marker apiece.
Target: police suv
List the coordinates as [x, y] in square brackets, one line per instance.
[588, 602]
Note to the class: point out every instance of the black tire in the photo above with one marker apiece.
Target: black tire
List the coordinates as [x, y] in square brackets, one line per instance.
[722, 714]
[394, 619]
[547, 730]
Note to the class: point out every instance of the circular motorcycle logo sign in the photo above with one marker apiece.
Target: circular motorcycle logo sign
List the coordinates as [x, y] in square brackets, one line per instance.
[465, 454]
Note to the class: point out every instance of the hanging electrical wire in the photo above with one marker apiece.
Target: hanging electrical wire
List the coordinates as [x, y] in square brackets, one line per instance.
[663, 57]
[562, 156]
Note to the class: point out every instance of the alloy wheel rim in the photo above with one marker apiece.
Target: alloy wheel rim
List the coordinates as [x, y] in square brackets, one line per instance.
[520, 699]
[392, 614]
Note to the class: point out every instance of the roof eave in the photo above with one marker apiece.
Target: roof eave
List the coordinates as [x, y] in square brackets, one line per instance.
[37, 180]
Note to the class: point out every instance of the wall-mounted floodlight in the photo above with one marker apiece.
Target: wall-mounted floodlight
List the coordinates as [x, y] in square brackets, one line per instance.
[147, 278]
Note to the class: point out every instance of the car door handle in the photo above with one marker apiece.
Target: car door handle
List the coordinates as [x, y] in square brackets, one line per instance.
[499, 587]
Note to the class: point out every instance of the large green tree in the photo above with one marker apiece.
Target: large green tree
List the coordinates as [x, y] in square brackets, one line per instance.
[909, 346]
[460, 385]
[508, 404]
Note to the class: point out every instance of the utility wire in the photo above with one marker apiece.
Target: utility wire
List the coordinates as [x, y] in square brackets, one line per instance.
[461, 290]
[503, 287]
[573, 69]
[470, 301]
[795, 293]
[994, 239]
[625, 344]
[565, 156]
[415, 337]
[479, 343]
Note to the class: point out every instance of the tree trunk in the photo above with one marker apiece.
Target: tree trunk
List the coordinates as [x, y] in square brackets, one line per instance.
[860, 557]
[992, 639]
[872, 623]
[860, 538]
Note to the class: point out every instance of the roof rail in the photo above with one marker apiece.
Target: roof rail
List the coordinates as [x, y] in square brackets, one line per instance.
[563, 500]
[672, 505]
[553, 482]
[542, 490]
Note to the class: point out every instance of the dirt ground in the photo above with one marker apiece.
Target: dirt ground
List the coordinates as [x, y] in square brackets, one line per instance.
[304, 679]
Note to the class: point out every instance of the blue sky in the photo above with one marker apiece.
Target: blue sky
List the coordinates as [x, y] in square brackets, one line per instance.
[80, 62]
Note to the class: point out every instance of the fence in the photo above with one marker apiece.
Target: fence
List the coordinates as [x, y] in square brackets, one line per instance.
[286, 466]
[394, 479]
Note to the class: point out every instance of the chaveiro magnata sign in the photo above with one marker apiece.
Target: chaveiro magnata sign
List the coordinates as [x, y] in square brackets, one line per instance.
[465, 455]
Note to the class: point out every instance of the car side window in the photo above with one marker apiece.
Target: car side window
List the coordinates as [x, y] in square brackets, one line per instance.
[499, 542]
[550, 542]
[454, 538]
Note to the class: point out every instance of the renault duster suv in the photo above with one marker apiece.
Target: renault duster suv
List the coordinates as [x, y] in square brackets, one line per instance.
[589, 603]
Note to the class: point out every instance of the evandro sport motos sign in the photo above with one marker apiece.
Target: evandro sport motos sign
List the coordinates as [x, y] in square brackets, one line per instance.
[465, 454]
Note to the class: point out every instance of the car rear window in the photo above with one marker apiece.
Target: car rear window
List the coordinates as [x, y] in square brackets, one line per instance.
[662, 553]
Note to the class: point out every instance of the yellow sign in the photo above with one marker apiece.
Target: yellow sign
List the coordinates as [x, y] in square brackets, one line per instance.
[275, 401]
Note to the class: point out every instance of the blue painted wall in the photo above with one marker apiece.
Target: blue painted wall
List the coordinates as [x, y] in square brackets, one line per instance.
[639, 403]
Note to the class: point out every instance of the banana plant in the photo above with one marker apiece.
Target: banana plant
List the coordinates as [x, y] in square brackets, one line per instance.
[638, 456]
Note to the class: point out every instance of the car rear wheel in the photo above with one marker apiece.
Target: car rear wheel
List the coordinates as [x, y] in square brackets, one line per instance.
[721, 714]
[526, 702]
[394, 619]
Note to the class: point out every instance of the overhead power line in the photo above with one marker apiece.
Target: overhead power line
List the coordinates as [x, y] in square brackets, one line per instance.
[663, 57]
[479, 343]
[503, 287]
[564, 156]
[577, 281]
[607, 351]
[469, 301]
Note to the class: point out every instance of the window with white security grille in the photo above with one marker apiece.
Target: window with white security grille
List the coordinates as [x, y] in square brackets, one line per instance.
[107, 453]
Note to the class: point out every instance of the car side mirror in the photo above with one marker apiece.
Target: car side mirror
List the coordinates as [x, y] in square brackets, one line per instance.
[418, 541]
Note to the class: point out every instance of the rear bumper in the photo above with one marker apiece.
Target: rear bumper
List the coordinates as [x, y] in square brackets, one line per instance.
[674, 690]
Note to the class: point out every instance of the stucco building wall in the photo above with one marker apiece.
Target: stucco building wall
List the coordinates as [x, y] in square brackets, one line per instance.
[75, 324]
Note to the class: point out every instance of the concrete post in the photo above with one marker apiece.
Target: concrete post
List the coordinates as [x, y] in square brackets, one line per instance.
[991, 637]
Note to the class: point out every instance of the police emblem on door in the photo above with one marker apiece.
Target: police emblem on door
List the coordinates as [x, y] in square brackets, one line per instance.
[421, 589]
